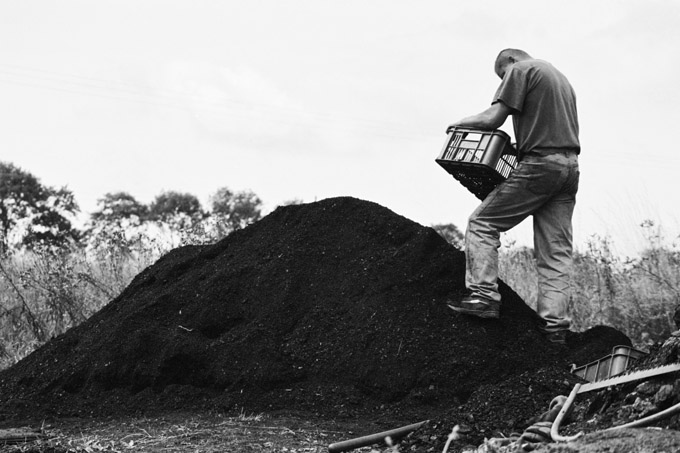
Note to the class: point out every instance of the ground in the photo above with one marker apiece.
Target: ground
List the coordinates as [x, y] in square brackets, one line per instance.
[334, 309]
[182, 432]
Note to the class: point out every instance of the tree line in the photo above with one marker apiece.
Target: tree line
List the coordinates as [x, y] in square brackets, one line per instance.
[36, 215]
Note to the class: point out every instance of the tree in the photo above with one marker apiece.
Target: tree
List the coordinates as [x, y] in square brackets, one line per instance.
[116, 206]
[180, 218]
[170, 203]
[292, 202]
[235, 210]
[118, 223]
[51, 223]
[42, 211]
[451, 233]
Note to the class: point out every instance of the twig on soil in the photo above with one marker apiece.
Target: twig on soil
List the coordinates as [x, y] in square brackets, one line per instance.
[245, 425]
[134, 435]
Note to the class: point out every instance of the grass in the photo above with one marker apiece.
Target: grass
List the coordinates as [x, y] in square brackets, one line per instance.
[182, 433]
[45, 292]
[635, 295]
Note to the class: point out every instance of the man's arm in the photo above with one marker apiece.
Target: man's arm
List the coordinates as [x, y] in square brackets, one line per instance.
[489, 119]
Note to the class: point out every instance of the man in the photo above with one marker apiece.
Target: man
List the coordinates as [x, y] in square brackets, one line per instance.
[544, 184]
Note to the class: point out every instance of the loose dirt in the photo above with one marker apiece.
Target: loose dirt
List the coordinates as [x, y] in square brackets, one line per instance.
[335, 309]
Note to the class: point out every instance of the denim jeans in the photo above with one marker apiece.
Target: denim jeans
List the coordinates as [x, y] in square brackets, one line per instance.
[545, 187]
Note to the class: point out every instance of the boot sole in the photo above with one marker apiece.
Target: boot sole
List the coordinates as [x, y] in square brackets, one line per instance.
[486, 314]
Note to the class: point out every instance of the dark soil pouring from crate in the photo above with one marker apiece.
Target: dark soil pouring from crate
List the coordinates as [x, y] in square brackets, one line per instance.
[336, 308]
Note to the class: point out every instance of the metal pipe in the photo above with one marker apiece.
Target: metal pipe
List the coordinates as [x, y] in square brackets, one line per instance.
[649, 419]
[554, 431]
[371, 439]
[555, 428]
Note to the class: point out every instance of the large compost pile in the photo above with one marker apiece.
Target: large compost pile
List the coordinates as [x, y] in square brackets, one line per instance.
[336, 307]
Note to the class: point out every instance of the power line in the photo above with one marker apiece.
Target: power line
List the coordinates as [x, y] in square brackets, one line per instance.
[123, 91]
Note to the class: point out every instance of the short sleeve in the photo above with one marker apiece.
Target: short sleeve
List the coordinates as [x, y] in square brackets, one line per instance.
[513, 89]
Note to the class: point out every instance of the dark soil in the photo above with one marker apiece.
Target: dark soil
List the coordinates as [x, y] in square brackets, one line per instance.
[335, 308]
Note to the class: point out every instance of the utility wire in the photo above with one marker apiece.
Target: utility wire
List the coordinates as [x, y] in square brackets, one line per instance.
[122, 91]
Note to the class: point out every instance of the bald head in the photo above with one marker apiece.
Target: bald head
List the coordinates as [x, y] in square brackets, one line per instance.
[508, 57]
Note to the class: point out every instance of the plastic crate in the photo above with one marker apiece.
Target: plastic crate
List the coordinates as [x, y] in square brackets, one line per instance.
[621, 358]
[478, 159]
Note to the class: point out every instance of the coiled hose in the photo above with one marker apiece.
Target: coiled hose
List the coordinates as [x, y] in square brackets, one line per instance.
[554, 431]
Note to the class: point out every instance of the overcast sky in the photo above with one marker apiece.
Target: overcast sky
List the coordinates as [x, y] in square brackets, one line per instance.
[309, 99]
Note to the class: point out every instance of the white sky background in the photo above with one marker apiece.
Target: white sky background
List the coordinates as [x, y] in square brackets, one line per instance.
[313, 99]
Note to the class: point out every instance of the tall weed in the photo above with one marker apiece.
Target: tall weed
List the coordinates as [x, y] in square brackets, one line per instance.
[635, 295]
[46, 291]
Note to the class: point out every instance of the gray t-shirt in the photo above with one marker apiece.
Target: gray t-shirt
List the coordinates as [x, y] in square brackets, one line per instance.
[544, 107]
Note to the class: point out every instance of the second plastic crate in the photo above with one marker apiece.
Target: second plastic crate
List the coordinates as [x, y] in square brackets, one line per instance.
[621, 358]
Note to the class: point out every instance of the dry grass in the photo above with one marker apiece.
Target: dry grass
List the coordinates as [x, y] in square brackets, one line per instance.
[635, 295]
[184, 433]
[45, 292]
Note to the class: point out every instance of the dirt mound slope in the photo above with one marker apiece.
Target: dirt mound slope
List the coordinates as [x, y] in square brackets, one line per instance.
[336, 306]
